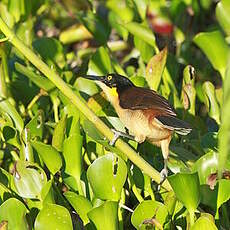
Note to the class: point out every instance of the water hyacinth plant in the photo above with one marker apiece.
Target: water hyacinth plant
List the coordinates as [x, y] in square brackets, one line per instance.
[57, 168]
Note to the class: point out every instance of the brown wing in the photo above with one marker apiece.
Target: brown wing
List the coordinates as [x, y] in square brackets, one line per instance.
[141, 98]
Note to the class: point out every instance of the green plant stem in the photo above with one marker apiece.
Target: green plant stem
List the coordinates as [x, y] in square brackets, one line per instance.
[80, 104]
[79, 186]
[3, 73]
[191, 219]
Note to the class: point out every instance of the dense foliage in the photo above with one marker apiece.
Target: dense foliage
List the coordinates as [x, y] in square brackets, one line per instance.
[57, 170]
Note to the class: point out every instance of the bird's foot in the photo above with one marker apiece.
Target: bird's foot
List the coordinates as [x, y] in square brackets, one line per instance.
[118, 134]
[163, 174]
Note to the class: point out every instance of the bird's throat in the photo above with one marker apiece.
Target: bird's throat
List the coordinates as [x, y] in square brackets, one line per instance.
[111, 93]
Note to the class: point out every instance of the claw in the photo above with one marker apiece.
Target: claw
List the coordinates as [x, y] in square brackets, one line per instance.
[163, 174]
[118, 134]
[115, 137]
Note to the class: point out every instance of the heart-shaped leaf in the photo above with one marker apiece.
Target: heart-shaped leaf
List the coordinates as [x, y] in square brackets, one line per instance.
[206, 165]
[72, 154]
[222, 10]
[14, 212]
[53, 53]
[155, 68]
[36, 125]
[100, 63]
[49, 155]
[53, 216]
[105, 216]
[223, 192]
[141, 31]
[28, 179]
[149, 212]
[215, 48]
[96, 25]
[59, 133]
[187, 189]
[107, 176]
[81, 205]
[204, 223]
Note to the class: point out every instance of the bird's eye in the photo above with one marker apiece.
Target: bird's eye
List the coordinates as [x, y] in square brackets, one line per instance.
[109, 78]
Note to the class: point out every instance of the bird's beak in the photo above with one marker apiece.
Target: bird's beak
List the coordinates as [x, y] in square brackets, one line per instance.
[94, 77]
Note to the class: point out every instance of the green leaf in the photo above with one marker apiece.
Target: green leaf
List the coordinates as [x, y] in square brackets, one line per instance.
[14, 212]
[107, 176]
[155, 69]
[208, 196]
[96, 25]
[81, 205]
[222, 15]
[5, 178]
[86, 86]
[145, 49]
[73, 122]
[122, 9]
[223, 136]
[211, 101]
[215, 48]
[170, 202]
[59, 133]
[75, 33]
[29, 179]
[93, 133]
[72, 149]
[209, 141]
[141, 7]
[204, 223]
[7, 107]
[5, 192]
[53, 216]
[141, 31]
[105, 216]
[188, 93]
[26, 148]
[223, 192]
[14, 9]
[100, 63]
[25, 31]
[47, 193]
[115, 22]
[206, 165]
[6, 15]
[51, 50]
[10, 136]
[187, 189]
[36, 125]
[38, 80]
[147, 210]
[49, 155]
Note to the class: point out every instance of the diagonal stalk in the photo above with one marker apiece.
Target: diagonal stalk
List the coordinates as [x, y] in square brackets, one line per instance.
[80, 104]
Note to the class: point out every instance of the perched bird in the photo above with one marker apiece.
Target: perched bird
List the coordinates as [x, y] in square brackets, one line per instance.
[146, 114]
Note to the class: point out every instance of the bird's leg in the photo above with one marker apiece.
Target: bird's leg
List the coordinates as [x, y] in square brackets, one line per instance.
[164, 171]
[118, 134]
[165, 153]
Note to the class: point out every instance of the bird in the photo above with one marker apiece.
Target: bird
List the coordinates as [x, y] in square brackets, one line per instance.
[146, 114]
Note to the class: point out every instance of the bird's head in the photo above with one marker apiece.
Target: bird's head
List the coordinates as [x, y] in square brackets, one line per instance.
[112, 80]
[112, 84]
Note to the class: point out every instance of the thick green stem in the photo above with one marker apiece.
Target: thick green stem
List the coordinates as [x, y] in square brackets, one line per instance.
[191, 218]
[3, 73]
[81, 105]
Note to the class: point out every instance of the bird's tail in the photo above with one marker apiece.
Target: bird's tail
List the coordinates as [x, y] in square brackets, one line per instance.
[173, 123]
